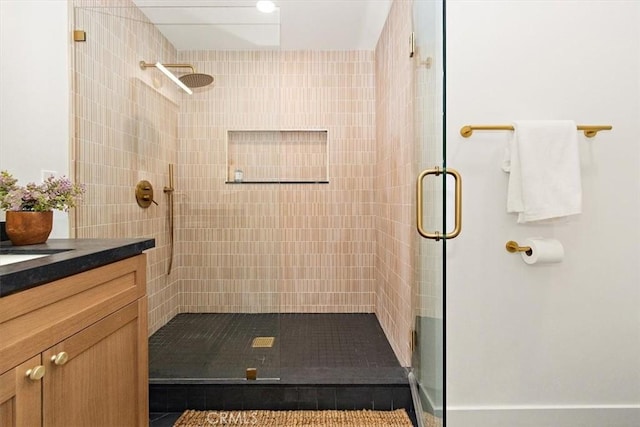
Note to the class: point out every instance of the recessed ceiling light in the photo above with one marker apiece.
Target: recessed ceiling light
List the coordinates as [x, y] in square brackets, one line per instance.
[265, 6]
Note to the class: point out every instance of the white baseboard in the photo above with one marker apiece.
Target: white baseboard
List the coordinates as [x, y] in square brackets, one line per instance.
[545, 416]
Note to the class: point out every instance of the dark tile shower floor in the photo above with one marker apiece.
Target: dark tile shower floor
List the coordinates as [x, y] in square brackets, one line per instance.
[308, 349]
[318, 361]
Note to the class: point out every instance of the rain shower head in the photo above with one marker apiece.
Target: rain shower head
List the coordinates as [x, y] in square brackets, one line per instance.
[186, 81]
[194, 80]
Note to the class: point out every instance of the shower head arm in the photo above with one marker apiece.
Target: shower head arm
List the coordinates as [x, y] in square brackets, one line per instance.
[185, 81]
[145, 65]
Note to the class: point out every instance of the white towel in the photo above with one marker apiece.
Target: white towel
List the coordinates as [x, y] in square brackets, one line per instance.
[544, 165]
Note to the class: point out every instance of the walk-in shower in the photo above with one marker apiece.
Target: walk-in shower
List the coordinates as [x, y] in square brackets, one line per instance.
[311, 249]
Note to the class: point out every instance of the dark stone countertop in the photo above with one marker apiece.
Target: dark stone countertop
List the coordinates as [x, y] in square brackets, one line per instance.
[68, 257]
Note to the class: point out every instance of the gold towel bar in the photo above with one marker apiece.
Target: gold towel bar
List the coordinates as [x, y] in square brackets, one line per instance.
[515, 247]
[589, 130]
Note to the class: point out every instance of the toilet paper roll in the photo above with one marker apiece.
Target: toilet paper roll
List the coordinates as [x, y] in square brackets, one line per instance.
[543, 251]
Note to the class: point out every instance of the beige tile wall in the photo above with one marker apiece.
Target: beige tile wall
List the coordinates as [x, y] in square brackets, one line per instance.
[395, 181]
[270, 247]
[124, 131]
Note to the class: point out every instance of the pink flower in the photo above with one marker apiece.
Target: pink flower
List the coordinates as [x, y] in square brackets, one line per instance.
[53, 193]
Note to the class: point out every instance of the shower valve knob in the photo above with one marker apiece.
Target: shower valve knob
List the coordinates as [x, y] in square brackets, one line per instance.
[147, 198]
[144, 194]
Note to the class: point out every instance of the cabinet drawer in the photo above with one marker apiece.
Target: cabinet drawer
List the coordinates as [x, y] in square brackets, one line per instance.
[35, 319]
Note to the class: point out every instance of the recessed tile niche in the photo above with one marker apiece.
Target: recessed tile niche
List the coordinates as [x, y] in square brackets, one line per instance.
[277, 156]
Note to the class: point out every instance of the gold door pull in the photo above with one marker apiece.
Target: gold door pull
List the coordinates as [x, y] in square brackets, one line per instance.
[436, 235]
[513, 247]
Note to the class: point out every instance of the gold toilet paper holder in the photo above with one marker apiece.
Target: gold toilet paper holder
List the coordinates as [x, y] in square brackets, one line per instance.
[513, 247]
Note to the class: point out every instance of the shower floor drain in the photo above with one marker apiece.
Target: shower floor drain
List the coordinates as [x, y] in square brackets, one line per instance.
[263, 342]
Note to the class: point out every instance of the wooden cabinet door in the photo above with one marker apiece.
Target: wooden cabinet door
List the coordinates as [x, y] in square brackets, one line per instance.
[20, 396]
[99, 374]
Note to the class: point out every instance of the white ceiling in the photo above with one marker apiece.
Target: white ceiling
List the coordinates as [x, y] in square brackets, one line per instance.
[295, 25]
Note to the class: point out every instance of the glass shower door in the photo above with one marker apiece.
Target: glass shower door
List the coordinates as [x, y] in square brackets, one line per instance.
[437, 213]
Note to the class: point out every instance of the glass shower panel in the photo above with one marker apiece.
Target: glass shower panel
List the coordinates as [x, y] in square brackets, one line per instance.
[244, 112]
[221, 296]
[428, 302]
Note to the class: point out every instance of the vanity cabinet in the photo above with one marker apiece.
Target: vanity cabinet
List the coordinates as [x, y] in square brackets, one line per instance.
[74, 352]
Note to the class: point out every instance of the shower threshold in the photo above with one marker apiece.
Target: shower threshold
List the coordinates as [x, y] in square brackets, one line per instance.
[317, 361]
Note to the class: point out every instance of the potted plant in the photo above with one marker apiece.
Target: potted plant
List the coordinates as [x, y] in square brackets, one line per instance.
[29, 209]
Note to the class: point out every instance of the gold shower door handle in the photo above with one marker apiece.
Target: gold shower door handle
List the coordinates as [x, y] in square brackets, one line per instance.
[436, 235]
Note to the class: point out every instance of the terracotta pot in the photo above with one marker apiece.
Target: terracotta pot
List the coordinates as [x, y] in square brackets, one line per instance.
[28, 228]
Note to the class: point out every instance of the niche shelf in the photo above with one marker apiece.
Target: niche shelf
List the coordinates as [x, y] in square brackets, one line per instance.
[292, 156]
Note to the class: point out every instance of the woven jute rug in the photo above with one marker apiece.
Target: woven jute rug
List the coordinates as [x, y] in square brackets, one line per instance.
[397, 418]
[431, 421]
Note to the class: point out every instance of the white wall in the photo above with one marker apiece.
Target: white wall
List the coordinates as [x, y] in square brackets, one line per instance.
[547, 345]
[34, 92]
